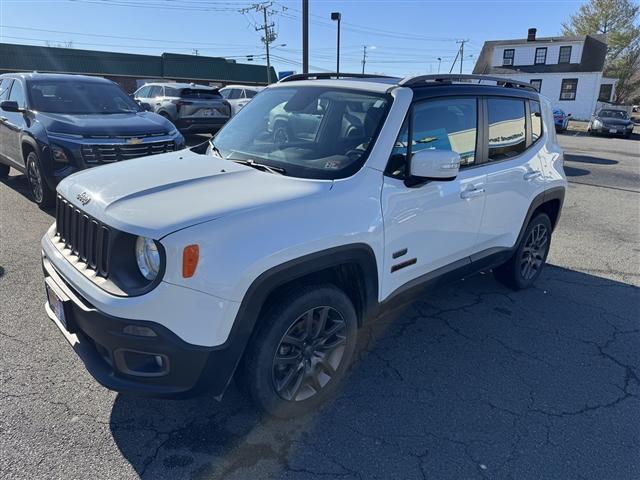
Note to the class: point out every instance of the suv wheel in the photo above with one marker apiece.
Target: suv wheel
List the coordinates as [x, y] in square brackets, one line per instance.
[42, 194]
[525, 266]
[281, 134]
[4, 170]
[301, 350]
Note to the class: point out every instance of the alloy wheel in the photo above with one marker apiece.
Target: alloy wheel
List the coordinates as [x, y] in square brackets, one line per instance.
[35, 181]
[309, 354]
[534, 252]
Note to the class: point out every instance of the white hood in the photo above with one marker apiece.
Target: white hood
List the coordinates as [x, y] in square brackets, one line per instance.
[157, 195]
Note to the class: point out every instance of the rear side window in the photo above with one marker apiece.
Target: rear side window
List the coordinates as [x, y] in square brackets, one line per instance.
[536, 120]
[155, 91]
[199, 93]
[250, 93]
[507, 136]
[171, 92]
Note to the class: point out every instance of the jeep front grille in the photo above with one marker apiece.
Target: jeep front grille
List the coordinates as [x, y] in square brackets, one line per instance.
[85, 237]
[109, 153]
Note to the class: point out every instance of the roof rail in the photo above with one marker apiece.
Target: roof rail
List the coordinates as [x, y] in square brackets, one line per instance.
[328, 75]
[451, 78]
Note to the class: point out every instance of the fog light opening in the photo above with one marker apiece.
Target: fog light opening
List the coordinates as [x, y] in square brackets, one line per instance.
[139, 331]
[141, 364]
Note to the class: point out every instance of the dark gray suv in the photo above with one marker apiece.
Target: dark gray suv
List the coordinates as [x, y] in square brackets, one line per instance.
[192, 108]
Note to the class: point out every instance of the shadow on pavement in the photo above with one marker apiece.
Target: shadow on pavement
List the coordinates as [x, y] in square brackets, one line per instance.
[588, 159]
[575, 172]
[471, 380]
[20, 184]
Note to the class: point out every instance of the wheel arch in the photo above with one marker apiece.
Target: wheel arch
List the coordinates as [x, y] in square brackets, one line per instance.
[548, 202]
[354, 268]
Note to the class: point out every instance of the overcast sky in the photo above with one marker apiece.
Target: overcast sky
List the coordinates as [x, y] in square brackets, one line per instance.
[402, 37]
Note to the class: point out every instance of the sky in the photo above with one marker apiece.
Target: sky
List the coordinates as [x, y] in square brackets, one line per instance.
[402, 37]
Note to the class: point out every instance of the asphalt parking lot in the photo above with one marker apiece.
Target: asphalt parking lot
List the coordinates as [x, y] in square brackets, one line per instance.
[470, 381]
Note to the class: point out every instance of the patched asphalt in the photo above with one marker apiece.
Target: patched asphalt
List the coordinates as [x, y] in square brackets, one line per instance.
[470, 381]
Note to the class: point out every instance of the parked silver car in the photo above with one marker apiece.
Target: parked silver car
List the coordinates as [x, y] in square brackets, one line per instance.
[238, 96]
[192, 108]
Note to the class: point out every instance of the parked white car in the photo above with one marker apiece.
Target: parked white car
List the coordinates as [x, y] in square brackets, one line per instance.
[170, 273]
[238, 96]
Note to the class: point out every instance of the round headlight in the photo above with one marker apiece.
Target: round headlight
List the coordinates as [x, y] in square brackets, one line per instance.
[148, 257]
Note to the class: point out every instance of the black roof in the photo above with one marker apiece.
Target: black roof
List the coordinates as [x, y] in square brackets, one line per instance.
[594, 52]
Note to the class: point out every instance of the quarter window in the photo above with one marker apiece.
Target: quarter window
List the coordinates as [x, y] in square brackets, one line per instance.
[17, 94]
[506, 128]
[541, 56]
[568, 89]
[250, 93]
[507, 57]
[565, 55]
[536, 120]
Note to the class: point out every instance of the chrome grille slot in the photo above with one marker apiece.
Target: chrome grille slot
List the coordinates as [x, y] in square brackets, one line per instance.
[83, 236]
[109, 153]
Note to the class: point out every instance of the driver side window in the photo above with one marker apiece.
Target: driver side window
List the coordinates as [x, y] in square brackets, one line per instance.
[442, 124]
[17, 94]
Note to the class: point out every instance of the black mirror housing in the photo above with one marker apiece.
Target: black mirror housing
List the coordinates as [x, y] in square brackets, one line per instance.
[10, 106]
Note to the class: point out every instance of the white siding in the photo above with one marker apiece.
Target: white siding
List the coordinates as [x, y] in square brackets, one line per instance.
[525, 53]
[586, 94]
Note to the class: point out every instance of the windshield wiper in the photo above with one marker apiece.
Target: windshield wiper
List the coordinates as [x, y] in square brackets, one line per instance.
[262, 166]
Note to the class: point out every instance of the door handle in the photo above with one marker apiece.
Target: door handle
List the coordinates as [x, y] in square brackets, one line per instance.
[471, 193]
[532, 175]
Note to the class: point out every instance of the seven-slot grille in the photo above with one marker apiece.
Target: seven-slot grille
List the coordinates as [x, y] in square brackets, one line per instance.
[107, 153]
[85, 237]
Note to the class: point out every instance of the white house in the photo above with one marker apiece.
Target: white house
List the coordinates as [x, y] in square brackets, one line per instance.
[567, 70]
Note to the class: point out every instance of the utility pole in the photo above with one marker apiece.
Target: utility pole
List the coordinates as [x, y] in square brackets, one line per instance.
[337, 16]
[269, 35]
[461, 52]
[305, 36]
[439, 62]
[364, 57]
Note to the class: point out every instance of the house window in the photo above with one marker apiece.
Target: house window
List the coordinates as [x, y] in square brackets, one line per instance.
[507, 57]
[536, 83]
[568, 88]
[564, 55]
[541, 56]
[606, 89]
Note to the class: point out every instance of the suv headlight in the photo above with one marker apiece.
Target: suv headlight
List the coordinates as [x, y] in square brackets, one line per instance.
[597, 123]
[148, 257]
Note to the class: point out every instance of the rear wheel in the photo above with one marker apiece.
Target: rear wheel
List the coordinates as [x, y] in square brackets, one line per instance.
[301, 350]
[526, 264]
[4, 170]
[40, 191]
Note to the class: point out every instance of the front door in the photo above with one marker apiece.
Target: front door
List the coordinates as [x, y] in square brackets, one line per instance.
[14, 124]
[435, 224]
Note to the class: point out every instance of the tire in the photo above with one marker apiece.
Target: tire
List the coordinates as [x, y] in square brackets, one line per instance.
[292, 328]
[526, 264]
[281, 133]
[41, 193]
[4, 170]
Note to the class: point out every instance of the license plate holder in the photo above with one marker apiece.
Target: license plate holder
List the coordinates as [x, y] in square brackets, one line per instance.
[58, 306]
[613, 130]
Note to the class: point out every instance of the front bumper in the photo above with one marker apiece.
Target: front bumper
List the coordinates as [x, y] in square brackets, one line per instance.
[612, 130]
[124, 361]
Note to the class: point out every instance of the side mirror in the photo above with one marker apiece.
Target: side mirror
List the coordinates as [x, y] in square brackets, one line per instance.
[145, 106]
[568, 114]
[10, 106]
[435, 165]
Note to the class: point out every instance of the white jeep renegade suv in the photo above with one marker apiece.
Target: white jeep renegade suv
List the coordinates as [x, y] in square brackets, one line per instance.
[266, 252]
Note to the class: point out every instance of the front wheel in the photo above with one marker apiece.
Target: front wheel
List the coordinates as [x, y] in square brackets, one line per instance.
[526, 264]
[40, 191]
[301, 351]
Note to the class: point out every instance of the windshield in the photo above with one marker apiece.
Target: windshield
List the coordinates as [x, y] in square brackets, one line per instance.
[621, 114]
[79, 97]
[312, 132]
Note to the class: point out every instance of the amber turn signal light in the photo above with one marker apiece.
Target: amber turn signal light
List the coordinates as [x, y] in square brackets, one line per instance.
[190, 257]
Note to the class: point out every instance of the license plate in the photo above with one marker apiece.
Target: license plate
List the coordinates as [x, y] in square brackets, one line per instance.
[207, 112]
[613, 130]
[57, 306]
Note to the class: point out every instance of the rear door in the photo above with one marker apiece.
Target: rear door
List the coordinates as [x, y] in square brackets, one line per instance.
[203, 103]
[514, 168]
[433, 225]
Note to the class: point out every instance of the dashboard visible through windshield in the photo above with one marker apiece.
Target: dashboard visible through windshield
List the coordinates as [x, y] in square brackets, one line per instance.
[312, 132]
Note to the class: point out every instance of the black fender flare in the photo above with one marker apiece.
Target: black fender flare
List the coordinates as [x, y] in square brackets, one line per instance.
[555, 193]
[224, 359]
